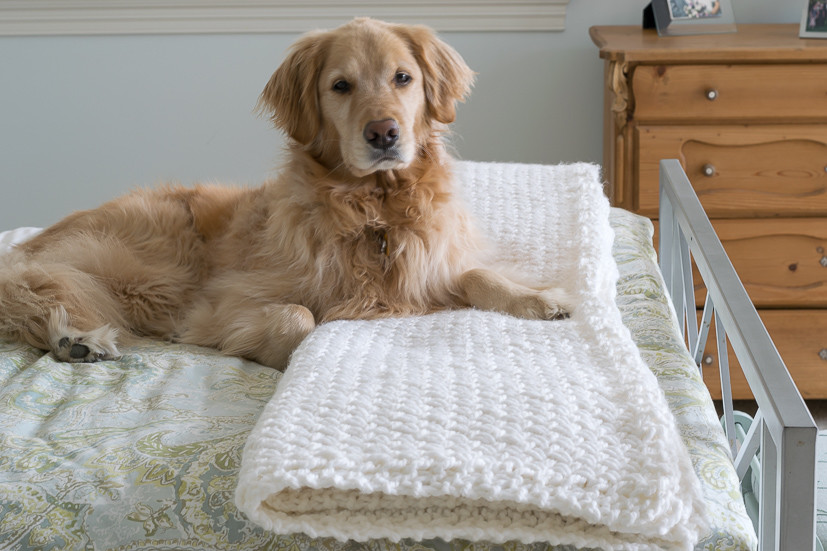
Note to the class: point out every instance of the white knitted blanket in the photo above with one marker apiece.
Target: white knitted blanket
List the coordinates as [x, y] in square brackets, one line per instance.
[480, 426]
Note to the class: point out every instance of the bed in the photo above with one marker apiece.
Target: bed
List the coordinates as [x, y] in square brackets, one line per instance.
[145, 452]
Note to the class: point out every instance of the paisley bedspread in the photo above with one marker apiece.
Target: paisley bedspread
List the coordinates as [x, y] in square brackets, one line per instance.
[144, 452]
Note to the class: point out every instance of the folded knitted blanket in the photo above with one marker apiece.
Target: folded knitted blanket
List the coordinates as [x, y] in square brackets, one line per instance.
[476, 425]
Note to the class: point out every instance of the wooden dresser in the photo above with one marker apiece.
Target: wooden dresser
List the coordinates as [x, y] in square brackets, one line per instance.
[746, 114]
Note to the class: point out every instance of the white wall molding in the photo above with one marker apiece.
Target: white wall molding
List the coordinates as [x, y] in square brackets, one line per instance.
[90, 17]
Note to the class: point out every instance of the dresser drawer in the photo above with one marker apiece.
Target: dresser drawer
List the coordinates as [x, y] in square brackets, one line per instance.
[781, 262]
[739, 171]
[730, 92]
[801, 339]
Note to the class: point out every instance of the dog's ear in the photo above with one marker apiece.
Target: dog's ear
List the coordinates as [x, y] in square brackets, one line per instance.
[291, 99]
[447, 78]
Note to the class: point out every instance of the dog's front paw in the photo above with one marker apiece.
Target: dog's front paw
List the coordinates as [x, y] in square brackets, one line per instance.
[73, 345]
[86, 348]
[548, 304]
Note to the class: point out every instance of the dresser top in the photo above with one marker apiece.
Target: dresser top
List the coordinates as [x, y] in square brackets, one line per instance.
[752, 43]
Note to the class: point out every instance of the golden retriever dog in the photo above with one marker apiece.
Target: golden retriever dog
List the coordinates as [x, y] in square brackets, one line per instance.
[361, 223]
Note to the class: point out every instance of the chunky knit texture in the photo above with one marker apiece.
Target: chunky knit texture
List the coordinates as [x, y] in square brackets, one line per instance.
[476, 425]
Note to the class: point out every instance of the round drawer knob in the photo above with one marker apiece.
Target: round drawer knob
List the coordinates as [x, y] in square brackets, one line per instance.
[708, 359]
[823, 354]
[709, 169]
[712, 95]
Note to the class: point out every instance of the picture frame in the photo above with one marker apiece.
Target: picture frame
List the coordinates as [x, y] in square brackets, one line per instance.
[683, 17]
[814, 19]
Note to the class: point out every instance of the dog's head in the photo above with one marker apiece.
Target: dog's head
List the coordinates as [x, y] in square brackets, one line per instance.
[367, 95]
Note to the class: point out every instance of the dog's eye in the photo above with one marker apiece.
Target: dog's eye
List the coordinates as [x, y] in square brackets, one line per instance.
[402, 79]
[341, 86]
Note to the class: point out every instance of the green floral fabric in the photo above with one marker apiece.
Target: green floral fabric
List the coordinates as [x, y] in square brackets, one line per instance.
[648, 314]
[143, 452]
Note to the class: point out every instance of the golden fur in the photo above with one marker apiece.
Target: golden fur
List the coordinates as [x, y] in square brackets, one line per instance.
[354, 226]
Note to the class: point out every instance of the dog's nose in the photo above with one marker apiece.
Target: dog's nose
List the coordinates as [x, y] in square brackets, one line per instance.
[382, 134]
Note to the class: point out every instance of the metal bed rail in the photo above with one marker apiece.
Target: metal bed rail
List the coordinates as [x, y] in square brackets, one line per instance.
[783, 433]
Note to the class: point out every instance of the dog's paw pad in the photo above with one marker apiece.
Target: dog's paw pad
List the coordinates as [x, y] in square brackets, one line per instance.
[75, 350]
[72, 345]
[78, 351]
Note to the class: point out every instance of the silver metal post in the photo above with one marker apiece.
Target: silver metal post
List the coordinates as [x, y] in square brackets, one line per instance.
[788, 432]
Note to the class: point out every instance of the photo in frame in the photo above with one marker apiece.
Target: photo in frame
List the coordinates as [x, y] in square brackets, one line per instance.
[814, 20]
[682, 17]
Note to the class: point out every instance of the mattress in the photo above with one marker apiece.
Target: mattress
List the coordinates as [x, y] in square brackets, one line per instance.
[144, 452]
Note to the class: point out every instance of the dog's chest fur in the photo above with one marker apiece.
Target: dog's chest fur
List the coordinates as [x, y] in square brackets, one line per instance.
[381, 223]
[393, 247]
[382, 228]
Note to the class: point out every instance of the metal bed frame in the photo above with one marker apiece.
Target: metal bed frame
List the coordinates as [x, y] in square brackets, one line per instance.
[783, 434]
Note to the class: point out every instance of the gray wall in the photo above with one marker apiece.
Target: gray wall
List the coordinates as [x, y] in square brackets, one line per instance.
[84, 119]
